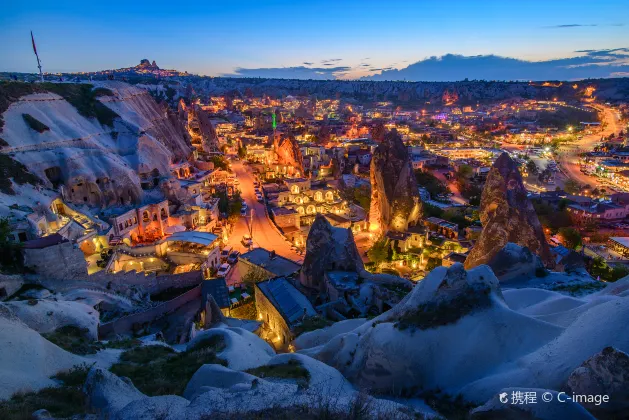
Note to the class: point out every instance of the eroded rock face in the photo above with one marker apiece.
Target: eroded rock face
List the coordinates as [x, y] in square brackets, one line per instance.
[202, 133]
[605, 373]
[288, 152]
[507, 216]
[395, 201]
[328, 248]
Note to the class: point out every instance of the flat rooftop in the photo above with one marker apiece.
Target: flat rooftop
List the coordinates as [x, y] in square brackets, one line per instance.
[275, 264]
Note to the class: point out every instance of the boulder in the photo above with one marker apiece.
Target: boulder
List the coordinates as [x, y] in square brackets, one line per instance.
[507, 216]
[243, 349]
[395, 201]
[514, 262]
[605, 373]
[216, 376]
[107, 393]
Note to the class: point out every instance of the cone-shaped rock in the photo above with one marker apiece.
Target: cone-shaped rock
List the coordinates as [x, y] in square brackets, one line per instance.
[395, 202]
[507, 215]
[328, 248]
[288, 152]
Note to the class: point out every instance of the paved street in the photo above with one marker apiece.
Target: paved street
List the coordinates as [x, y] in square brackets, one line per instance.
[264, 233]
[569, 156]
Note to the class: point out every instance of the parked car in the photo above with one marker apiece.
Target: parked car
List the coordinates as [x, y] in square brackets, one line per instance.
[225, 252]
[233, 257]
[247, 241]
[223, 270]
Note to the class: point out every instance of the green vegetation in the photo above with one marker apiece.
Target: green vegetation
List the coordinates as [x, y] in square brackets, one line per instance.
[256, 274]
[159, 370]
[125, 343]
[454, 408]
[358, 195]
[219, 162]
[379, 252]
[81, 96]
[312, 323]
[432, 184]
[579, 289]
[551, 217]
[242, 151]
[34, 123]
[571, 237]
[73, 339]
[62, 402]
[436, 314]
[571, 186]
[599, 268]
[12, 169]
[291, 370]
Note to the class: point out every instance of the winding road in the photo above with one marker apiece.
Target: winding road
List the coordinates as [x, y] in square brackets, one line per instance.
[264, 233]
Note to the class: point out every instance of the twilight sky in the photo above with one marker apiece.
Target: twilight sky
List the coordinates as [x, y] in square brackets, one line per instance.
[324, 39]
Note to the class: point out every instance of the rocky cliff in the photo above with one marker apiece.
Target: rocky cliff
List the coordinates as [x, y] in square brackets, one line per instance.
[507, 215]
[328, 248]
[199, 127]
[395, 202]
[101, 143]
[288, 152]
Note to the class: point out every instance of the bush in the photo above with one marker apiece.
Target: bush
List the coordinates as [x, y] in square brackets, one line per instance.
[159, 370]
[34, 123]
[291, 370]
[312, 323]
[125, 343]
[64, 401]
[12, 169]
[436, 314]
[73, 339]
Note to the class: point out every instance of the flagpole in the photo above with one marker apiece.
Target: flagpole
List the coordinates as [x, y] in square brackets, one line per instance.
[41, 76]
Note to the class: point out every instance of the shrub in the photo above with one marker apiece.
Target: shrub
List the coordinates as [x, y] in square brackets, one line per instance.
[64, 401]
[436, 314]
[291, 370]
[125, 343]
[73, 339]
[34, 123]
[159, 370]
[12, 169]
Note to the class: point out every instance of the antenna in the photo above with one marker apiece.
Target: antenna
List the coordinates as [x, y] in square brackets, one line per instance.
[41, 76]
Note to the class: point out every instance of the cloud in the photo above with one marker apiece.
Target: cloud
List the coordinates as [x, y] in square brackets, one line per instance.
[365, 65]
[307, 63]
[298, 72]
[331, 60]
[451, 67]
[581, 25]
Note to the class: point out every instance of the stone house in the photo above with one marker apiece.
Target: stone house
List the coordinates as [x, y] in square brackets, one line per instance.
[53, 256]
[281, 307]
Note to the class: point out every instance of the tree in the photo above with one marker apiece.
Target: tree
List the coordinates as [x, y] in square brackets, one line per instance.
[242, 151]
[379, 252]
[571, 186]
[219, 162]
[432, 184]
[255, 274]
[570, 236]
[531, 167]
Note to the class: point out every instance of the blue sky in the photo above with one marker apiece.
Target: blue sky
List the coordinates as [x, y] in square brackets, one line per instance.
[214, 38]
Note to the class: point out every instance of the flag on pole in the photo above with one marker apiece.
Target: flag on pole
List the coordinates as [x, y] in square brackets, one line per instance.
[33, 40]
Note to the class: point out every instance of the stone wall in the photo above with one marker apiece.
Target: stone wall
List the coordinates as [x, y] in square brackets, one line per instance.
[61, 261]
[134, 322]
[271, 318]
[151, 283]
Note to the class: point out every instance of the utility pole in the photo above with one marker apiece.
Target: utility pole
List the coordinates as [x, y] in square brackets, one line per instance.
[251, 228]
[41, 76]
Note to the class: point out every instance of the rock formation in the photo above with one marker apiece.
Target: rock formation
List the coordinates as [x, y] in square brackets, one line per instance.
[200, 127]
[507, 215]
[328, 248]
[605, 373]
[395, 201]
[288, 152]
[97, 163]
